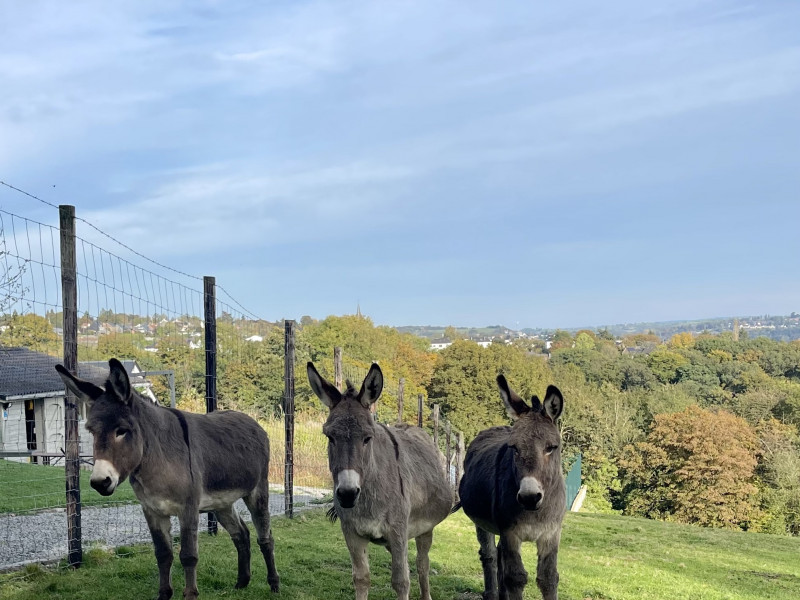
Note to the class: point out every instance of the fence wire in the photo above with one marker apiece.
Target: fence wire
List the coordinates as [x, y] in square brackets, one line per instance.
[153, 318]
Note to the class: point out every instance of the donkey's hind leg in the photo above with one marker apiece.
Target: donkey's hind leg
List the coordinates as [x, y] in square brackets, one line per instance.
[488, 554]
[257, 503]
[240, 535]
[424, 543]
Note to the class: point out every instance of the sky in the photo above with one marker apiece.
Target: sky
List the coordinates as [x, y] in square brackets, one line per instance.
[529, 164]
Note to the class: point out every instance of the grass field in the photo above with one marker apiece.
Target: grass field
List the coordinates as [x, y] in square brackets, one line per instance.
[602, 557]
[27, 487]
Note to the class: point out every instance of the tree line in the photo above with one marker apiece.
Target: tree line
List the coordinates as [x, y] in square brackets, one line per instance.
[699, 429]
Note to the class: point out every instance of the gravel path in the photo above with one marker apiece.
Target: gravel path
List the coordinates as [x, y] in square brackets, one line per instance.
[42, 536]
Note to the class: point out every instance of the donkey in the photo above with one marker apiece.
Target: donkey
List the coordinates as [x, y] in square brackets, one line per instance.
[513, 487]
[389, 482]
[180, 464]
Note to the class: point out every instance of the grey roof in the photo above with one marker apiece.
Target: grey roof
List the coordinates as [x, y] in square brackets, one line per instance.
[24, 372]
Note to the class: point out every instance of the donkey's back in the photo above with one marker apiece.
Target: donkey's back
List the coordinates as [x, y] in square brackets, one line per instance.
[230, 451]
[425, 480]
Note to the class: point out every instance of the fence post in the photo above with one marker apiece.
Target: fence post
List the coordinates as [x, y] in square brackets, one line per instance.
[448, 453]
[69, 293]
[436, 425]
[338, 381]
[400, 391]
[459, 459]
[210, 309]
[288, 412]
[419, 410]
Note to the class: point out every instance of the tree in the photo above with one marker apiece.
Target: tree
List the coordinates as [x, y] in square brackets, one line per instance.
[451, 333]
[11, 274]
[695, 466]
[29, 331]
[561, 339]
[584, 341]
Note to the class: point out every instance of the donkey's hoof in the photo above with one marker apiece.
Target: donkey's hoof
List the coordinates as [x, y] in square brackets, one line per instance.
[274, 585]
[243, 582]
[164, 595]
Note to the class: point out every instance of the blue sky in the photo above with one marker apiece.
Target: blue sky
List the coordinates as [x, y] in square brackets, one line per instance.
[468, 163]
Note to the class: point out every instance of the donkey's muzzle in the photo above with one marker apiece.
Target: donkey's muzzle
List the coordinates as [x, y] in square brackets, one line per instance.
[347, 497]
[530, 493]
[530, 501]
[105, 487]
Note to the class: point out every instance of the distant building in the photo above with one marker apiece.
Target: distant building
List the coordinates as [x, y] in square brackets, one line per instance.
[32, 403]
[254, 338]
[440, 343]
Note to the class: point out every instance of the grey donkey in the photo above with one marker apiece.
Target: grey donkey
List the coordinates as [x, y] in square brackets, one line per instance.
[513, 486]
[389, 482]
[180, 464]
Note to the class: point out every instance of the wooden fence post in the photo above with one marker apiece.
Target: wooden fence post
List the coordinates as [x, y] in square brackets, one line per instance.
[459, 459]
[288, 411]
[210, 310]
[436, 425]
[338, 380]
[400, 391]
[419, 410]
[69, 293]
[448, 447]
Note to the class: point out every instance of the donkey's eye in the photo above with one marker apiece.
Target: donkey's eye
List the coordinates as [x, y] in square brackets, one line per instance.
[331, 440]
[367, 440]
[122, 432]
[515, 449]
[550, 449]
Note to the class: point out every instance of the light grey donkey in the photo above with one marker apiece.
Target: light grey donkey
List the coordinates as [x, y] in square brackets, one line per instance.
[389, 482]
[180, 464]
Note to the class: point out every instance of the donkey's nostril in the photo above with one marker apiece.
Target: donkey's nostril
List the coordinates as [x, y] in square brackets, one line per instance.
[530, 501]
[102, 485]
[347, 497]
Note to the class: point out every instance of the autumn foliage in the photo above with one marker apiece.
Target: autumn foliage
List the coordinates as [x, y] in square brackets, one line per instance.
[695, 466]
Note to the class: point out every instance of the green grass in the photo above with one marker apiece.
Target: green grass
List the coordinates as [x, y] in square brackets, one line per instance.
[26, 487]
[602, 557]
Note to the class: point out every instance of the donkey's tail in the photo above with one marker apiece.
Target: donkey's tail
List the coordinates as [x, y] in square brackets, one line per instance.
[456, 508]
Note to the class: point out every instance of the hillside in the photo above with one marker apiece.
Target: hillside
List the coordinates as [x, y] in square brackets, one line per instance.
[602, 557]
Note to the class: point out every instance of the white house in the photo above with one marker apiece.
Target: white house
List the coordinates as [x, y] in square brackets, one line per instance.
[32, 404]
[440, 343]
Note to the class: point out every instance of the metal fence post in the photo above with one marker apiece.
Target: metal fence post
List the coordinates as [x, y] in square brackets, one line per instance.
[69, 290]
[419, 410]
[210, 308]
[288, 411]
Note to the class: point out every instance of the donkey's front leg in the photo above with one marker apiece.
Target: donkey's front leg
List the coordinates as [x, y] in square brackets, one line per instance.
[512, 571]
[160, 530]
[398, 547]
[488, 554]
[189, 520]
[546, 568]
[360, 559]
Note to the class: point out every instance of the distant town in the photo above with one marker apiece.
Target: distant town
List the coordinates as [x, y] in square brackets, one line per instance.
[777, 327]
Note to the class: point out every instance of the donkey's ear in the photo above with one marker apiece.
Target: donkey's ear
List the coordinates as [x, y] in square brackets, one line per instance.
[553, 403]
[372, 387]
[515, 406]
[118, 384]
[325, 391]
[85, 390]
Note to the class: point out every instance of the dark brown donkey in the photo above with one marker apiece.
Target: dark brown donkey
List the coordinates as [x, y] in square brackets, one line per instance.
[180, 464]
[389, 482]
[513, 487]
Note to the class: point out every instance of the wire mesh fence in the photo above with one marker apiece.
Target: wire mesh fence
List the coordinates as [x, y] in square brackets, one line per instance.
[184, 342]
